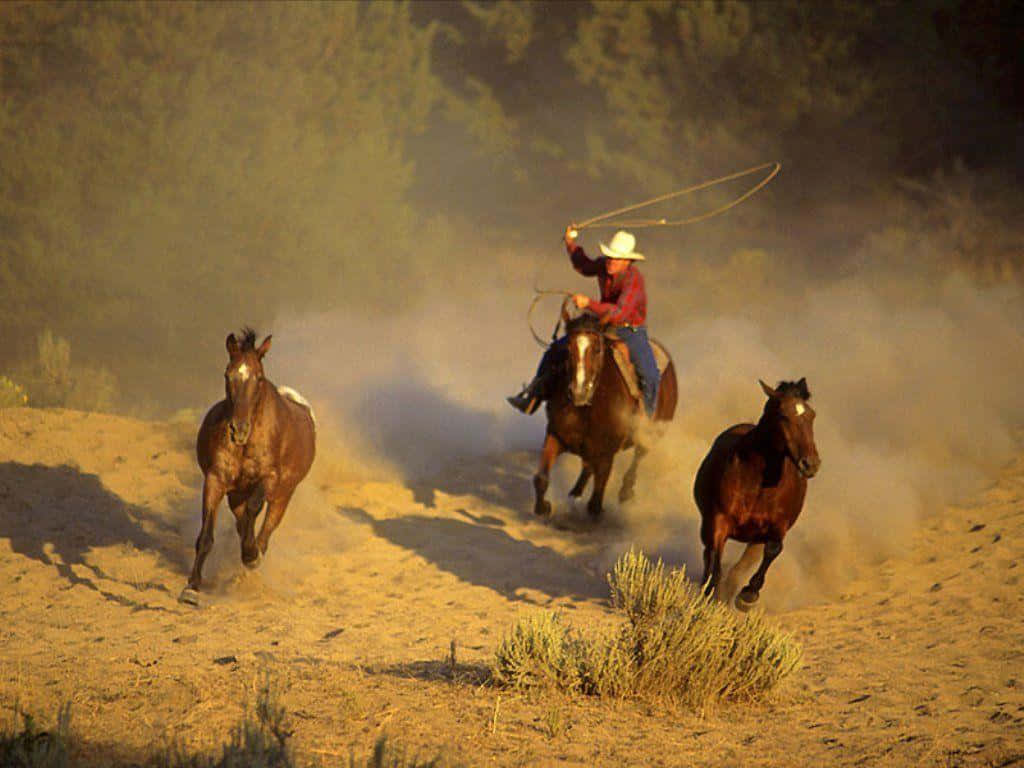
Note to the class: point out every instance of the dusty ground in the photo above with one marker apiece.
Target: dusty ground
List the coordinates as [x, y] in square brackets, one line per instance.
[919, 662]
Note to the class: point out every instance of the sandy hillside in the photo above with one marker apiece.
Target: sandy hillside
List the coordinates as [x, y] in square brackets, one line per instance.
[920, 661]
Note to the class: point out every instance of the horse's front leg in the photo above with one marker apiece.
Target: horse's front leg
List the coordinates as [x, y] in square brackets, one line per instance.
[749, 595]
[246, 507]
[602, 469]
[628, 489]
[551, 450]
[581, 481]
[213, 493]
[276, 505]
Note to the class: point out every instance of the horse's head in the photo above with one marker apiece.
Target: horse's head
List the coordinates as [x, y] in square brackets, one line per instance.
[586, 357]
[790, 423]
[243, 381]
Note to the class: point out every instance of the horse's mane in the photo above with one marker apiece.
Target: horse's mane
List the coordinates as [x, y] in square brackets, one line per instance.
[585, 322]
[248, 340]
[794, 388]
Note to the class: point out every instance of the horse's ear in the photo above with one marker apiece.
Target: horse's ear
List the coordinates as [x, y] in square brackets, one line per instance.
[264, 347]
[232, 344]
[768, 390]
[805, 393]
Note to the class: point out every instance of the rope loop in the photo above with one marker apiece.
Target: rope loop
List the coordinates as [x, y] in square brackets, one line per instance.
[639, 223]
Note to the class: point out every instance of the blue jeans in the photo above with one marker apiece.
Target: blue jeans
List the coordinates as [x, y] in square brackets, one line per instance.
[642, 355]
[639, 352]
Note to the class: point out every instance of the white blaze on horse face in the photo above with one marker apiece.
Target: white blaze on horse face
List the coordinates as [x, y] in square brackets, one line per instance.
[800, 409]
[582, 342]
[243, 372]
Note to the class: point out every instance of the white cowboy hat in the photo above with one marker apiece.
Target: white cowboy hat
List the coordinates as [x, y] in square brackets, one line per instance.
[621, 247]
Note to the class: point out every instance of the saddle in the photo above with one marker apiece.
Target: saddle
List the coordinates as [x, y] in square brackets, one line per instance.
[620, 353]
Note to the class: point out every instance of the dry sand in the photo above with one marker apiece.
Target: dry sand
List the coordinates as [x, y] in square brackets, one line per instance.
[366, 585]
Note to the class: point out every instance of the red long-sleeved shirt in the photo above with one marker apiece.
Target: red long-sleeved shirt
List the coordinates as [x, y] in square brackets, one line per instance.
[623, 296]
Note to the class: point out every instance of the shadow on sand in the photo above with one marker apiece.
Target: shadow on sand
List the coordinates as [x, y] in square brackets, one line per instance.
[57, 514]
[486, 556]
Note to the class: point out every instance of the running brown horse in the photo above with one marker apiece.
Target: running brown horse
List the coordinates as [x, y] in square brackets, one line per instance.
[751, 485]
[254, 446]
[592, 414]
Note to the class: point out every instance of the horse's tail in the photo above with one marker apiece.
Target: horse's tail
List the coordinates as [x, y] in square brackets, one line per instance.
[295, 397]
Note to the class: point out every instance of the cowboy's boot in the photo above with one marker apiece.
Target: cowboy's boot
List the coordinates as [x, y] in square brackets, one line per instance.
[530, 398]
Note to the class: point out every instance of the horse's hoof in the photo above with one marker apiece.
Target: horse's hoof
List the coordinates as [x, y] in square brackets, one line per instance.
[594, 512]
[253, 564]
[746, 600]
[542, 509]
[189, 596]
[625, 496]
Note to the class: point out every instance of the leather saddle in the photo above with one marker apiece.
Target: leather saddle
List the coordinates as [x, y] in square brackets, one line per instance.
[620, 352]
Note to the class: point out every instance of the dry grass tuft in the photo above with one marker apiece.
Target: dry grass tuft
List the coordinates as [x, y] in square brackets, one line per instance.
[674, 643]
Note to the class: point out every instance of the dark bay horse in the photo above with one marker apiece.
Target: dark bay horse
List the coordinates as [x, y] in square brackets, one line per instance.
[751, 485]
[592, 414]
[254, 446]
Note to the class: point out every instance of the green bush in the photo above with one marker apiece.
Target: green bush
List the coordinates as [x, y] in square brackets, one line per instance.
[12, 394]
[674, 642]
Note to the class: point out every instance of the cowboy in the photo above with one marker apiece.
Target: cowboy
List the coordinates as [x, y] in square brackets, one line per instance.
[623, 307]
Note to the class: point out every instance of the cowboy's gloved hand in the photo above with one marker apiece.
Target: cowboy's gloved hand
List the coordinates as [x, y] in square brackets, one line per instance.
[581, 301]
[570, 236]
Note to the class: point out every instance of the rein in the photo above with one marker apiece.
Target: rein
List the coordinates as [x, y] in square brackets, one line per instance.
[639, 223]
[561, 315]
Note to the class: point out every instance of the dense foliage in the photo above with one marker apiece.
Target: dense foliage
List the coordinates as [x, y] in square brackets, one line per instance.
[169, 171]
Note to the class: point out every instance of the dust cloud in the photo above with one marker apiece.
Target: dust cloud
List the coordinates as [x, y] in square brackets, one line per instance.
[912, 372]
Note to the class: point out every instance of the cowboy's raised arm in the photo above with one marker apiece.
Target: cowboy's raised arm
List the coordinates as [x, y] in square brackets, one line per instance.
[582, 263]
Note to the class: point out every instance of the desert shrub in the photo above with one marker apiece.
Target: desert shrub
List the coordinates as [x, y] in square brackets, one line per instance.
[260, 740]
[34, 748]
[93, 388]
[674, 642]
[12, 394]
[56, 381]
[537, 651]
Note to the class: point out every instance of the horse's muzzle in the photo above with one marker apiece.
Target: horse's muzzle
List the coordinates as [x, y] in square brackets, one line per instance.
[809, 467]
[239, 432]
[581, 398]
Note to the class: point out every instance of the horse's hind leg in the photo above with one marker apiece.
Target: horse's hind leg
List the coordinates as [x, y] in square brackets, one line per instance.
[552, 448]
[581, 481]
[714, 533]
[749, 594]
[602, 469]
[246, 507]
[628, 489]
[275, 511]
[213, 493]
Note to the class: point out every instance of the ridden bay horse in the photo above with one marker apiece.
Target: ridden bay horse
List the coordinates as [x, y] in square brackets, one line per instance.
[751, 485]
[253, 446]
[592, 414]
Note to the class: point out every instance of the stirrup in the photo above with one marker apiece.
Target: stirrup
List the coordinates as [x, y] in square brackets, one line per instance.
[527, 400]
[524, 402]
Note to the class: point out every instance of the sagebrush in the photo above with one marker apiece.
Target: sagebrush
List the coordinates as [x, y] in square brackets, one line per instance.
[262, 739]
[674, 642]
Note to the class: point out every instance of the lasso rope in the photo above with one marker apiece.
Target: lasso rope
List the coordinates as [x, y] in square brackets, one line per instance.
[540, 294]
[637, 223]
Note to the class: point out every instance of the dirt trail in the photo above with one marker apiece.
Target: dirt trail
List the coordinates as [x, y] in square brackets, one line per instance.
[919, 662]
